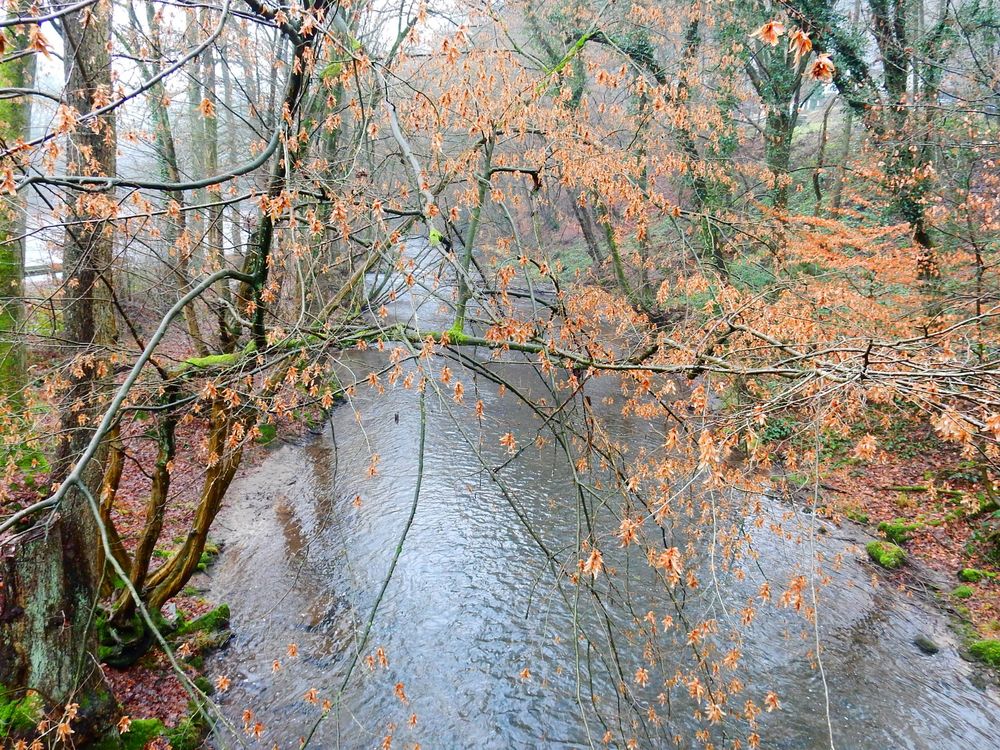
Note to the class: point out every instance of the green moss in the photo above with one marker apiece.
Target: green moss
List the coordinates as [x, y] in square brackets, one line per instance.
[141, 733]
[898, 530]
[122, 645]
[973, 575]
[456, 334]
[19, 716]
[214, 360]
[204, 684]
[214, 621]
[187, 735]
[856, 515]
[963, 592]
[886, 554]
[208, 555]
[926, 644]
[218, 360]
[796, 479]
[987, 651]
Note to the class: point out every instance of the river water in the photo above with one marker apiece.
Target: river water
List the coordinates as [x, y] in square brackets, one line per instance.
[474, 601]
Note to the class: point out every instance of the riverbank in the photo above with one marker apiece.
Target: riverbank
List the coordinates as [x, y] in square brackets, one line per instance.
[150, 689]
[920, 494]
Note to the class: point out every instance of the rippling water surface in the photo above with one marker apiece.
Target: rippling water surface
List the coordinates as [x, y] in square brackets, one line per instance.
[473, 602]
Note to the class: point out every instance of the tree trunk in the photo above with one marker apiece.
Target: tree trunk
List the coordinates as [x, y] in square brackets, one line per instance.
[889, 28]
[167, 153]
[821, 159]
[42, 606]
[845, 153]
[88, 313]
[778, 152]
[228, 329]
[15, 120]
[233, 156]
[582, 213]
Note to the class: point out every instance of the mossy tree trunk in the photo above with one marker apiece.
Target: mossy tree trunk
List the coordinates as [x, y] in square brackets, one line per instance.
[41, 648]
[88, 310]
[583, 216]
[15, 119]
[777, 78]
[778, 127]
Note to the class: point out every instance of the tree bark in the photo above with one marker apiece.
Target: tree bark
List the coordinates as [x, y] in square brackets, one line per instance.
[41, 608]
[15, 121]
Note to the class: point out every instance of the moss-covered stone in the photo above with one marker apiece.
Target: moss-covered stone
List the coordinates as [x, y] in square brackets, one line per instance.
[187, 735]
[886, 554]
[963, 592]
[208, 555]
[214, 621]
[898, 530]
[121, 645]
[973, 575]
[926, 644]
[203, 634]
[140, 733]
[18, 716]
[268, 433]
[987, 651]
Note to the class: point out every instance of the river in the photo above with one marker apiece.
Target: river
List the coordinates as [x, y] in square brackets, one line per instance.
[475, 644]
